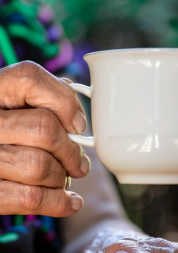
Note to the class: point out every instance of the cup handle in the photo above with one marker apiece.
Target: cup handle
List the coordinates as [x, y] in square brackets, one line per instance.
[86, 141]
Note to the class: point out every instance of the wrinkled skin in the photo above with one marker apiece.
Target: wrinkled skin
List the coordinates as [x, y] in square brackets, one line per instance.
[114, 241]
[37, 110]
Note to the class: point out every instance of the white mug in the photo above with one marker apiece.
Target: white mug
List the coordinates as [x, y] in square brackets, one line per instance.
[134, 98]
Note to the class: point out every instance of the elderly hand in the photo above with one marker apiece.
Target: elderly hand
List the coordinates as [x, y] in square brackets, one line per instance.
[114, 241]
[36, 154]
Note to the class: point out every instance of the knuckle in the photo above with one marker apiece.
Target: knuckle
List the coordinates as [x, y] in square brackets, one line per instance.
[60, 209]
[45, 126]
[31, 198]
[28, 70]
[74, 157]
[36, 169]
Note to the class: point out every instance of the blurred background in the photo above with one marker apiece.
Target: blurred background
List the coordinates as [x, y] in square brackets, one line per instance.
[57, 33]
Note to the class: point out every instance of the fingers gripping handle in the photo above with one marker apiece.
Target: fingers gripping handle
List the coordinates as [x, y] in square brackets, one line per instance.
[86, 141]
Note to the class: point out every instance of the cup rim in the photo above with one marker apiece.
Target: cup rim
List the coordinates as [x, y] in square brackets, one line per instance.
[131, 50]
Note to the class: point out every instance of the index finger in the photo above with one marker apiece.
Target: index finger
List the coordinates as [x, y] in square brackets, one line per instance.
[27, 83]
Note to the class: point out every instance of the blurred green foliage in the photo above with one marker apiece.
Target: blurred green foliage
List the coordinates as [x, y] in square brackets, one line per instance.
[157, 19]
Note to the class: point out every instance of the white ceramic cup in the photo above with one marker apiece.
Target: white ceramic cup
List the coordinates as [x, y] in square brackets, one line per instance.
[134, 97]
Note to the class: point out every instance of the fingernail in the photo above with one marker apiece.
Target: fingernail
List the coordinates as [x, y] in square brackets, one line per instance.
[85, 164]
[79, 122]
[76, 202]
